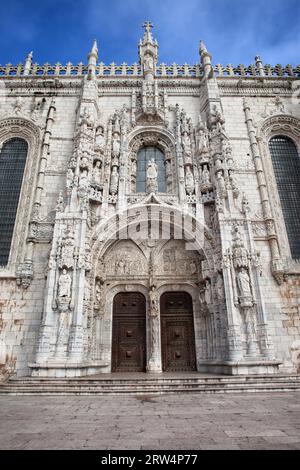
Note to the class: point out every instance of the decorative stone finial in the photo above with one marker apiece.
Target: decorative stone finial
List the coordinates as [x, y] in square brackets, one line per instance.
[27, 65]
[259, 66]
[205, 57]
[92, 60]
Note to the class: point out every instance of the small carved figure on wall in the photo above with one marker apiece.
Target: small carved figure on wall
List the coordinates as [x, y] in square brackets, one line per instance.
[64, 284]
[97, 172]
[243, 282]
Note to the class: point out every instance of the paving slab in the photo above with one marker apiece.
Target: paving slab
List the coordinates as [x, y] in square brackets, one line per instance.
[182, 422]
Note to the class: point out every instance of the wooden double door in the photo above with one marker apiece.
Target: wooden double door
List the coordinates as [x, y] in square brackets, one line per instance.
[129, 332]
[177, 332]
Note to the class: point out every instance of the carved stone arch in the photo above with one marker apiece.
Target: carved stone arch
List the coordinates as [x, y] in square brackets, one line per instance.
[152, 136]
[280, 124]
[107, 232]
[14, 127]
[283, 125]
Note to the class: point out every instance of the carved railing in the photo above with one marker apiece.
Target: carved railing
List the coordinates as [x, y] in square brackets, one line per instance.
[255, 71]
[162, 70]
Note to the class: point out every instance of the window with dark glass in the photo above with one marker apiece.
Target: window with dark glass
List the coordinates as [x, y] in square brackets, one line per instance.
[143, 157]
[286, 163]
[12, 163]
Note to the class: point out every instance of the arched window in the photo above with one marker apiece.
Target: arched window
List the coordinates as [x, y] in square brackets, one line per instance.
[12, 163]
[144, 155]
[286, 164]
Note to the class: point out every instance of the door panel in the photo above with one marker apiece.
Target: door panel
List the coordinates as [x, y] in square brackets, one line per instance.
[129, 333]
[177, 331]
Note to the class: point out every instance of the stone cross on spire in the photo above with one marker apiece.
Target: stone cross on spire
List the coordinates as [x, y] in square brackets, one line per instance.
[148, 25]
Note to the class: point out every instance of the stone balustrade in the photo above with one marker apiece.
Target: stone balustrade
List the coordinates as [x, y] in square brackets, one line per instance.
[162, 70]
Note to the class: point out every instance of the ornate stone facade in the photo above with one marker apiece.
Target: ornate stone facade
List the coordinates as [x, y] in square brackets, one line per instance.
[83, 233]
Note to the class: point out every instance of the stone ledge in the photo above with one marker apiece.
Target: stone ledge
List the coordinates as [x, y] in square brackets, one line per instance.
[65, 369]
[246, 367]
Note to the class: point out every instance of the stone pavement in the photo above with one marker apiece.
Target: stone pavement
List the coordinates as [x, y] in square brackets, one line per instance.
[186, 421]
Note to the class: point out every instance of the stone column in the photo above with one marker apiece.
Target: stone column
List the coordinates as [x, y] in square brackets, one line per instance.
[153, 334]
[76, 332]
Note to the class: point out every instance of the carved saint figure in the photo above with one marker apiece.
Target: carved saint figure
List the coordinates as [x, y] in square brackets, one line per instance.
[116, 144]
[114, 179]
[152, 185]
[189, 181]
[186, 144]
[148, 62]
[205, 181]
[154, 304]
[208, 293]
[97, 172]
[243, 282]
[152, 169]
[99, 140]
[64, 284]
[202, 142]
[84, 183]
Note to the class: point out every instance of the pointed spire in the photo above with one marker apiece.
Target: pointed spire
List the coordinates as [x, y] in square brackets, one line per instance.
[202, 48]
[27, 65]
[92, 60]
[205, 57]
[94, 48]
[148, 52]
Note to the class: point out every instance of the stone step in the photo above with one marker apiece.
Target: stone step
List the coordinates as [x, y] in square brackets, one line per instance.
[157, 379]
[149, 385]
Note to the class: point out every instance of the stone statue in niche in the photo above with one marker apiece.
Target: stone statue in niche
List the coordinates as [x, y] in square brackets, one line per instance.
[152, 185]
[189, 181]
[99, 140]
[243, 282]
[86, 120]
[114, 180]
[96, 175]
[205, 182]
[67, 250]
[84, 161]
[64, 284]
[148, 63]
[186, 144]
[154, 303]
[221, 184]
[208, 292]
[116, 144]
[220, 287]
[193, 267]
[84, 182]
[202, 142]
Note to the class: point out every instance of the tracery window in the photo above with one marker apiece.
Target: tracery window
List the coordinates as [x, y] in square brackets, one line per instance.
[12, 163]
[286, 164]
[144, 155]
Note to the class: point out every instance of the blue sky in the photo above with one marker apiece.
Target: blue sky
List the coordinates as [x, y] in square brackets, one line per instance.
[233, 30]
